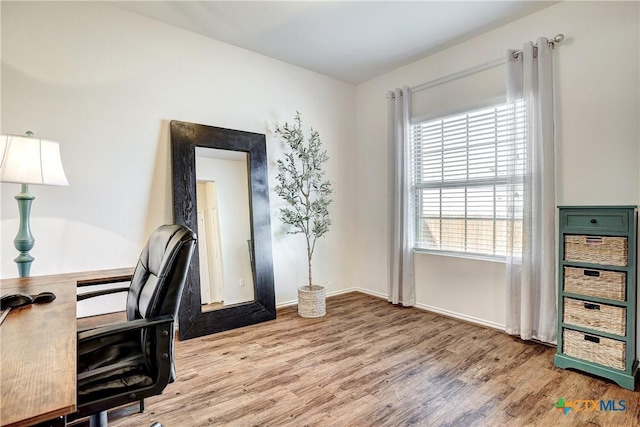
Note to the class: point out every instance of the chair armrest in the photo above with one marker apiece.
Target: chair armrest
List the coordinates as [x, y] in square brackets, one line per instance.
[98, 279]
[119, 328]
[93, 294]
[103, 280]
[106, 350]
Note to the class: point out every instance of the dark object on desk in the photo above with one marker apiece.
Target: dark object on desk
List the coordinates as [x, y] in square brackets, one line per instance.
[127, 362]
[4, 313]
[20, 300]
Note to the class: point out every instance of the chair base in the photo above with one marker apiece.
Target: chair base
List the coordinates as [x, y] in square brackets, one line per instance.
[98, 420]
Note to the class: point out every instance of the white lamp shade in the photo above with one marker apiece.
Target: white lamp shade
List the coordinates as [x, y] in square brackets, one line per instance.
[29, 160]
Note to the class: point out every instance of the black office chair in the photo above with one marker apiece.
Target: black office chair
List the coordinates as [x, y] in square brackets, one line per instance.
[127, 362]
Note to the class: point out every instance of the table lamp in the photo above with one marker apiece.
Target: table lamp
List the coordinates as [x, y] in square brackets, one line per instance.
[28, 160]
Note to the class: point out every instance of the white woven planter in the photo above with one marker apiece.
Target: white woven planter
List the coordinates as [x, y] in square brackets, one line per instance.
[312, 303]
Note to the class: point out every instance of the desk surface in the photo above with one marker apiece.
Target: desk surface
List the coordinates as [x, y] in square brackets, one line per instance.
[38, 349]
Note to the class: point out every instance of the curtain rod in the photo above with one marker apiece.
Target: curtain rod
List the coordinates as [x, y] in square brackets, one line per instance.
[478, 68]
[459, 74]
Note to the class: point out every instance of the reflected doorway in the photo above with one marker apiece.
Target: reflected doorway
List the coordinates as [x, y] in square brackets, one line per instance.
[224, 228]
[211, 264]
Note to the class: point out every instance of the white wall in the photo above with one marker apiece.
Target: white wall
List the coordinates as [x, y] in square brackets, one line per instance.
[597, 72]
[105, 83]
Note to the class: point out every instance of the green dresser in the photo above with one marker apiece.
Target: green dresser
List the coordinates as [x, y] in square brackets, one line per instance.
[597, 292]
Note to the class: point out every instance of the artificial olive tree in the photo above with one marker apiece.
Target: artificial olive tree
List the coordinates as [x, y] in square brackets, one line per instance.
[302, 186]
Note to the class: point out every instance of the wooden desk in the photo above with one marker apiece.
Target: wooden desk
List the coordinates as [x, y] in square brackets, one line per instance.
[38, 348]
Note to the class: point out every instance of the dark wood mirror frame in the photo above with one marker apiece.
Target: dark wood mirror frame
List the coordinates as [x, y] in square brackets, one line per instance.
[185, 137]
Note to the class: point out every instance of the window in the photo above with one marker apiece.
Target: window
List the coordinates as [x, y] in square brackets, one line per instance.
[464, 165]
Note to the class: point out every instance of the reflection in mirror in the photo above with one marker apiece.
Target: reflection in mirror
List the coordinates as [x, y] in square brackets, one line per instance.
[224, 228]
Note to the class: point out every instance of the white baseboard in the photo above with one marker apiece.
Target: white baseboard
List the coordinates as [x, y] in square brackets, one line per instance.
[341, 291]
[286, 303]
[232, 302]
[372, 293]
[420, 306]
[441, 311]
[329, 294]
[460, 316]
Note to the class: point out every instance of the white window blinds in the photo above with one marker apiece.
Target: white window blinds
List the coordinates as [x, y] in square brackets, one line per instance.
[464, 164]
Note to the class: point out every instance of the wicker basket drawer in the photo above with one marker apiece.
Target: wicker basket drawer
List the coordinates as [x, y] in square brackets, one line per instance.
[595, 349]
[596, 283]
[596, 249]
[601, 317]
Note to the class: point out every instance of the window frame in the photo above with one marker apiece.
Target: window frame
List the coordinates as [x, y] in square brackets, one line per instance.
[485, 104]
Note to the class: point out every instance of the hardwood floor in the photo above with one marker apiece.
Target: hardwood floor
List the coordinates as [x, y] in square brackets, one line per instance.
[368, 363]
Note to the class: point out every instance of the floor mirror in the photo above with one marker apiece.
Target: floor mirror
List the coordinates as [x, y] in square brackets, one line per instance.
[221, 191]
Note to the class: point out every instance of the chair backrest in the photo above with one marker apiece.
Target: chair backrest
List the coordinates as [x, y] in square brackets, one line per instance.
[158, 280]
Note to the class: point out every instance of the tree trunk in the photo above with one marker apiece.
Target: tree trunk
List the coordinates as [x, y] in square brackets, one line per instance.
[309, 255]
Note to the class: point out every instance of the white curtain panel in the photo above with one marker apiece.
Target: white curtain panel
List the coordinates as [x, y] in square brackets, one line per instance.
[401, 223]
[531, 247]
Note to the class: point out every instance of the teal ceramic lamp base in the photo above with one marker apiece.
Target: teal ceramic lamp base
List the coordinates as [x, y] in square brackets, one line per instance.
[24, 241]
[28, 160]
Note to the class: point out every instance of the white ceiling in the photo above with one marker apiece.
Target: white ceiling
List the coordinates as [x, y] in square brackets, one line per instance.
[353, 41]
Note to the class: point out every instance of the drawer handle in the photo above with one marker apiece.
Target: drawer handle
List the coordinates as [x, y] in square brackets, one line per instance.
[594, 221]
[592, 339]
[594, 240]
[590, 306]
[592, 273]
